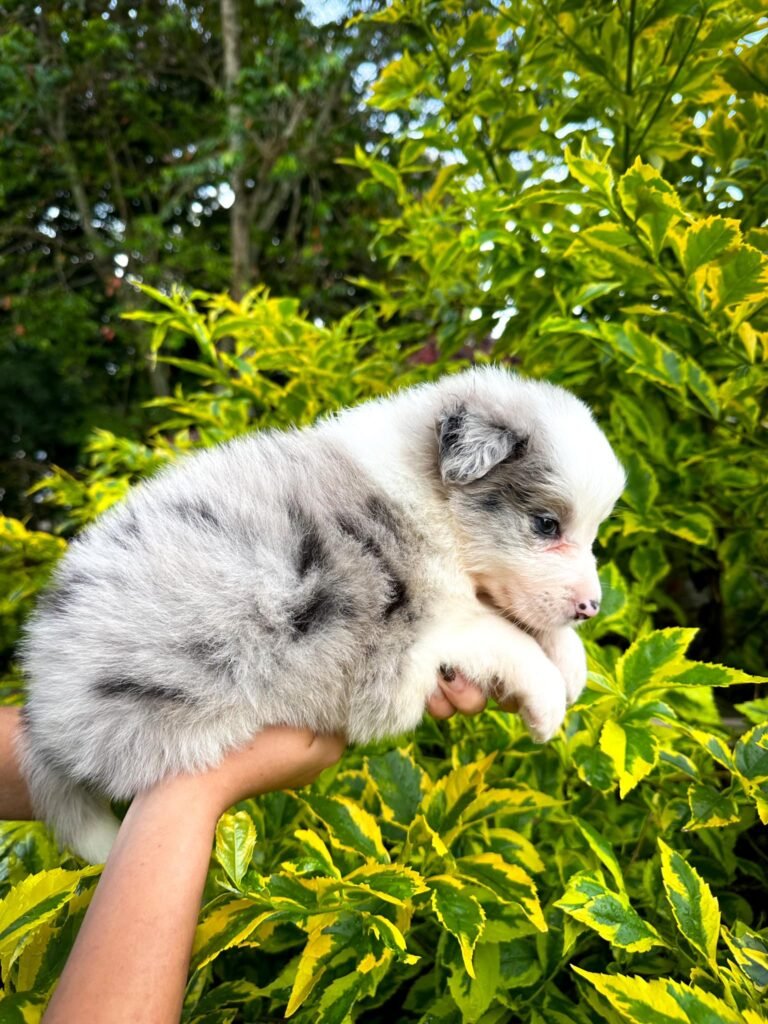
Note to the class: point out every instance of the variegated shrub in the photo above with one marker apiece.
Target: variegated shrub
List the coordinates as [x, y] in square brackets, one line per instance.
[582, 194]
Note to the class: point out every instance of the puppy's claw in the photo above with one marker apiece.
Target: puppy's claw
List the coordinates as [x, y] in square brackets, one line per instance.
[448, 673]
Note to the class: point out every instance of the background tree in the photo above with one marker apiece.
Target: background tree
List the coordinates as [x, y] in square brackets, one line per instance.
[127, 145]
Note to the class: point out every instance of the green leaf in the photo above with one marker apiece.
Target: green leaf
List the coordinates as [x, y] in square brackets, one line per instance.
[350, 826]
[338, 998]
[399, 782]
[602, 849]
[751, 754]
[235, 840]
[595, 174]
[32, 902]
[660, 1001]
[394, 883]
[318, 855]
[750, 951]
[738, 276]
[694, 908]
[226, 924]
[710, 808]
[651, 202]
[508, 882]
[633, 750]
[474, 995]
[459, 913]
[588, 900]
[654, 660]
[325, 940]
[706, 239]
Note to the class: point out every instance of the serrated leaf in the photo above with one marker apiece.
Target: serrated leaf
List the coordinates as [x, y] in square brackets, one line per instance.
[595, 174]
[399, 783]
[454, 792]
[317, 851]
[459, 913]
[706, 239]
[588, 900]
[31, 903]
[660, 1001]
[710, 808]
[322, 945]
[651, 202]
[338, 998]
[750, 755]
[694, 908]
[350, 826]
[750, 951]
[473, 996]
[633, 750]
[226, 924]
[508, 882]
[602, 850]
[653, 660]
[395, 883]
[737, 277]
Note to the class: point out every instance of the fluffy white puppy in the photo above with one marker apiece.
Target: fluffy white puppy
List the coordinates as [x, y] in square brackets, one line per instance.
[319, 578]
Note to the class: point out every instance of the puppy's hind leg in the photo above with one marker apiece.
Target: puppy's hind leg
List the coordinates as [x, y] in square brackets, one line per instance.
[80, 821]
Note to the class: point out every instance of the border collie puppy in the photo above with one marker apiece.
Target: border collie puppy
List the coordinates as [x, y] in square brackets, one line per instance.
[319, 578]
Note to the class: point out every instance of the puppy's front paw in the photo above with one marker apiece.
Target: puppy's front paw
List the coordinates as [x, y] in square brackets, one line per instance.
[541, 701]
[564, 648]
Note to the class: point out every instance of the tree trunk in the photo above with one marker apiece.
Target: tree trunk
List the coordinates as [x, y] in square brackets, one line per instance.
[238, 214]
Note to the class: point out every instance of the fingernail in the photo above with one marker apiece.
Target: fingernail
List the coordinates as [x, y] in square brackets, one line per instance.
[448, 673]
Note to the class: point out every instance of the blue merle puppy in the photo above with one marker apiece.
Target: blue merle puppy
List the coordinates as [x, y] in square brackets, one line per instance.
[319, 578]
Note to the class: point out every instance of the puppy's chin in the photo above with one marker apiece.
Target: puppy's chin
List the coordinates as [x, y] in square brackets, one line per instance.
[496, 599]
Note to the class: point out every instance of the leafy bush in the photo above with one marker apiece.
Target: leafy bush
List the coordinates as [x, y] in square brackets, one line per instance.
[617, 874]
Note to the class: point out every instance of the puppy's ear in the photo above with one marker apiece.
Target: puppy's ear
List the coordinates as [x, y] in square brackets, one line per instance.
[470, 446]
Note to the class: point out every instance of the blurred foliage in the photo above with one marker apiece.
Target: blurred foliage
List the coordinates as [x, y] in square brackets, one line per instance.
[115, 159]
[577, 191]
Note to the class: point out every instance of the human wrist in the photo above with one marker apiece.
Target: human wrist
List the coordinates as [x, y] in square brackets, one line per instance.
[197, 798]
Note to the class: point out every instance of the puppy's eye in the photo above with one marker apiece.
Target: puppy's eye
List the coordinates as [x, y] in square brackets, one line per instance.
[546, 526]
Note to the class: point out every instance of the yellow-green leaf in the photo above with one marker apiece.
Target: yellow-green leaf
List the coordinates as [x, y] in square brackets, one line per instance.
[602, 850]
[350, 826]
[459, 913]
[508, 882]
[694, 908]
[317, 851]
[235, 840]
[660, 1001]
[710, 808]
[633, 750]
[227, 924]
[750, 951]
[587, 899]
[33, 902]
[706, 239]
[321, 946]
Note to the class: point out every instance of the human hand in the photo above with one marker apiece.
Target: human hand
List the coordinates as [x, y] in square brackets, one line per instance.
[460, 694]
[278, 757]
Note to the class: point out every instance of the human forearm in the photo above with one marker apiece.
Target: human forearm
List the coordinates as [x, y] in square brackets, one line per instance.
[14, 798]
[131, 957]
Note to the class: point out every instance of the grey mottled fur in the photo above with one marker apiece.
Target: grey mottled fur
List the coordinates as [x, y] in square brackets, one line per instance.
[272, 580]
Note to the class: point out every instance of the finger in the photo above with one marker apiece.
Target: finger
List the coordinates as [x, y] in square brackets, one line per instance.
[327, 750]
[463, 695]
[439, 706]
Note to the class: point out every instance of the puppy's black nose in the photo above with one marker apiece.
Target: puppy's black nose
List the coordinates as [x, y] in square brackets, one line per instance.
[586, 609]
